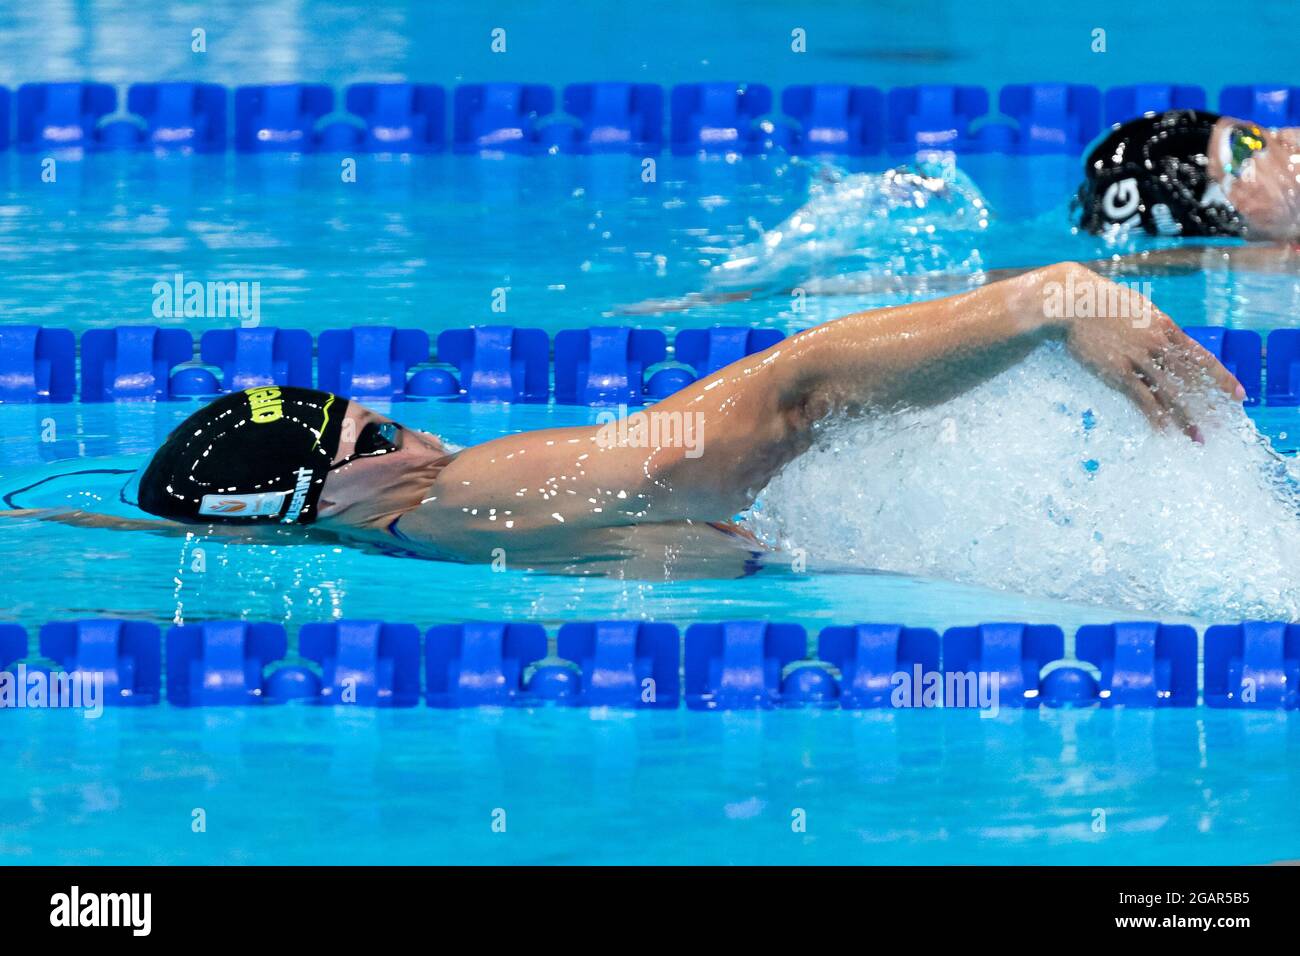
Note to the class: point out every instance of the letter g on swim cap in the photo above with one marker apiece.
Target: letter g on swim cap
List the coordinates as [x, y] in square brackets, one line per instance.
[260, 455]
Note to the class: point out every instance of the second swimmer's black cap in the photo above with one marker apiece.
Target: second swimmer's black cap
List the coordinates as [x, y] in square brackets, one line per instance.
[259, 455]
[1154, 171]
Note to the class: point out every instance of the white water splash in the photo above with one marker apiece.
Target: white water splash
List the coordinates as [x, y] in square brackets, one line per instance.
[1043, 481]
[899, 222]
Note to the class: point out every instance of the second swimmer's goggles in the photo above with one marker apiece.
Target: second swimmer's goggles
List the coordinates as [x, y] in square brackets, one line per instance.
[377, 438]
[1241, 143]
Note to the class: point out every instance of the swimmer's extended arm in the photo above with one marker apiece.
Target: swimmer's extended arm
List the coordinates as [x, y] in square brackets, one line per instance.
[759, 412]
[754, 416]
[174, 529]
[90, 519]
[1265, 257]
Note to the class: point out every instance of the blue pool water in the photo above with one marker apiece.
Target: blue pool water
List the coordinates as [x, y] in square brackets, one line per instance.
[425, 243]
[308, 785]
[674, 41]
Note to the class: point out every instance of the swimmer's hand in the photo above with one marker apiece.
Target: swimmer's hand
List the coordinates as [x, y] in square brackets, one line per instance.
[1134, 347]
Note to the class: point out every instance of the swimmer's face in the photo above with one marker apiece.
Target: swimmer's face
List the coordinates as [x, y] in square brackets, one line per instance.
[372, 489]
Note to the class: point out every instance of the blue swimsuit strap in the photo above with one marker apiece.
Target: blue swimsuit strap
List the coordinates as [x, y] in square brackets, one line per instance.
[440, 464]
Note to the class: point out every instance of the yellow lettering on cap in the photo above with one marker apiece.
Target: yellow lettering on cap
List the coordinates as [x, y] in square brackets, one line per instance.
[265, 404]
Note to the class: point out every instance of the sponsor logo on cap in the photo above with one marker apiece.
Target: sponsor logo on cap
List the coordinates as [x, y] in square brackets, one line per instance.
[1121, 198]
[265, 404]
[299, 496]
[243, 506]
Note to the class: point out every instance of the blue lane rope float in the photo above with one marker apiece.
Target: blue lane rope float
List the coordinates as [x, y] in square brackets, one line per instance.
[1141, 665]
[605, 365]
[481, 664]
[37, 364]
[739, 665]
[1240, 351]
[280, 117]
[1125, 102]
[868, 655]
[834, 118]
[369, 361]
[1261, 655]
[131, 362]
[1283, 367]
[221, 662]
[127, 654]
[257, 358]
[719, 118]
[730, 665]
[530, 119]
[496, 363]
[599, 365]
[367, 662]
[1016, 652]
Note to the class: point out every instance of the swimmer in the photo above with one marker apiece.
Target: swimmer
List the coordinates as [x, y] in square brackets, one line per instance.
[1178, 174]
[307, 462]
[1189, 173]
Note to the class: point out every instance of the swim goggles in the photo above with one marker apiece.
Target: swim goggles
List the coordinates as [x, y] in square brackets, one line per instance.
[1241, 143]
[377, 438]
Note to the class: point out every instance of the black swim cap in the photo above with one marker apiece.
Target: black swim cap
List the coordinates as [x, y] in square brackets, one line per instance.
[258, 455]
[1154, 171]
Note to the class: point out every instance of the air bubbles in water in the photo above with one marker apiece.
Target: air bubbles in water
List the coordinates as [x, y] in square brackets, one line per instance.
[1045, 482]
